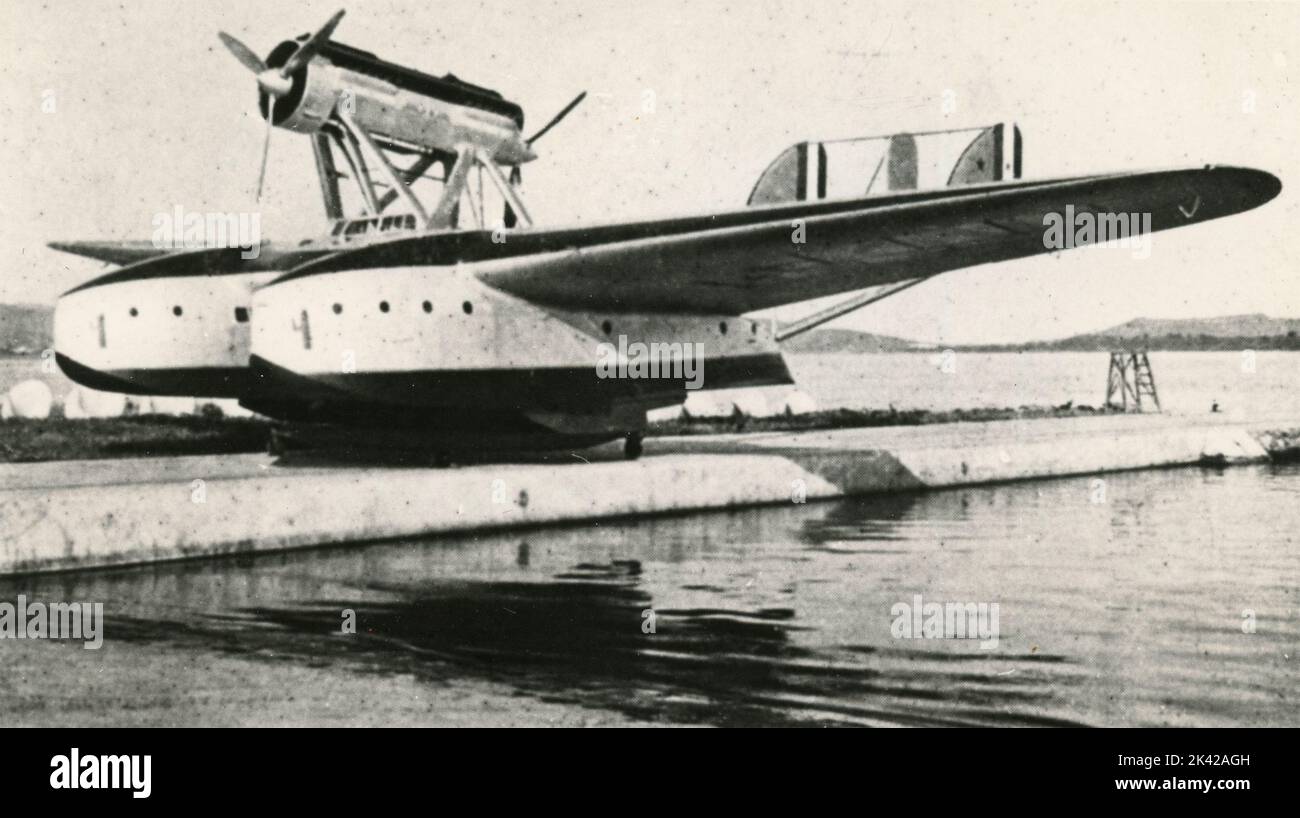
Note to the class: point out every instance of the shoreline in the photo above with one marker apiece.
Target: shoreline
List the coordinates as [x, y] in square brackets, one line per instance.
[56, 439]
[108, 513]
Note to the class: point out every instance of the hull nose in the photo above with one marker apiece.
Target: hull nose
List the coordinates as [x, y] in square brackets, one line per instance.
[93, 378]
[143, 338]
[80, 337]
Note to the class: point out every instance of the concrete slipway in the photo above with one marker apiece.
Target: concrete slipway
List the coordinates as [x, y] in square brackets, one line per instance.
[75, 515]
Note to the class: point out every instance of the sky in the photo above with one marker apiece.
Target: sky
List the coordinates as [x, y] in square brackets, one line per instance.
[150, 111]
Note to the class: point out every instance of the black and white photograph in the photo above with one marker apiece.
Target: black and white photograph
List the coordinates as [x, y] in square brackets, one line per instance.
[674, 363]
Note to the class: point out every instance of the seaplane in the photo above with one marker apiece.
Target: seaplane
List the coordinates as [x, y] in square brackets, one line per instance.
[438, 315]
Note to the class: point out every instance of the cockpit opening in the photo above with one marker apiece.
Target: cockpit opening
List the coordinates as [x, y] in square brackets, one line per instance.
[349, 229]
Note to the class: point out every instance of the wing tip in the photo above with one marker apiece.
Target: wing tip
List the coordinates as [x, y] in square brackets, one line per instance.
[64, 246]
[1253, 187]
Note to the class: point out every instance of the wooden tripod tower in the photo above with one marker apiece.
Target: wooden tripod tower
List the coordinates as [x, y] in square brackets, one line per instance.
[1129, 380]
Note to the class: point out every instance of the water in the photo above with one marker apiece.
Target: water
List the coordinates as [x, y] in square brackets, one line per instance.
[1127, 611]
[1244, 384]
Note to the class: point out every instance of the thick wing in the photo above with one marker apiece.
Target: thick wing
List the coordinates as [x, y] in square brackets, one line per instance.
[732, 265]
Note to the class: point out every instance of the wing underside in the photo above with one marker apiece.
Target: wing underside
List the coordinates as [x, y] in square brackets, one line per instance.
[799, 254]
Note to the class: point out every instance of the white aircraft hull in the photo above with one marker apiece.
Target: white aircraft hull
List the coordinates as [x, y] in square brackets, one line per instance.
[416, 342]
[423, 348]
[187, 335]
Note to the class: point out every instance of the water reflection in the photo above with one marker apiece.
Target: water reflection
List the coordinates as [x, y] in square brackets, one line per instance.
[782, 616]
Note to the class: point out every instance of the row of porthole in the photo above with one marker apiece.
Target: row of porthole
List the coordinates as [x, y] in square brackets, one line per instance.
[608, 328]
[241, 313]
[177, 311]
[427, 306]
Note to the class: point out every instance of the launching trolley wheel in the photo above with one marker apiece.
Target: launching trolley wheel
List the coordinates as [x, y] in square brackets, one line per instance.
[632, 446]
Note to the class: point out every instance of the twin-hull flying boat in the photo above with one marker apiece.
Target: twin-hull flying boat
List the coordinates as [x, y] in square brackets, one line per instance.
[441, 316]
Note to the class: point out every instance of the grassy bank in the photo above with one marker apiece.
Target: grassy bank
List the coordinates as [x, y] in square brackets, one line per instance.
[857, 418]
[29, 441]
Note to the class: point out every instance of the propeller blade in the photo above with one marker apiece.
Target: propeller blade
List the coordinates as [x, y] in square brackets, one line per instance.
[556, 119]
[313, 45]
[510, 218]
[266, 144]
[243, 53]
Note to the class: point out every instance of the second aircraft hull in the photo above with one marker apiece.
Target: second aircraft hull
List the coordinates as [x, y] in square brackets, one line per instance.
[424, 349]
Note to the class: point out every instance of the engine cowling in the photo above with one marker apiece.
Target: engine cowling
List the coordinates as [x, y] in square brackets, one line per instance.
[396, 103]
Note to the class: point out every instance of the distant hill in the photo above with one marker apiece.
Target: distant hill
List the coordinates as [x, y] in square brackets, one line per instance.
[1229, 332]
[1228, 326]
[848, 340]
[25, 328]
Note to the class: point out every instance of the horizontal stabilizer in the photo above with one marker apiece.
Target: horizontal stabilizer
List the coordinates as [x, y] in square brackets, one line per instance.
[211, 261]
[114, 252]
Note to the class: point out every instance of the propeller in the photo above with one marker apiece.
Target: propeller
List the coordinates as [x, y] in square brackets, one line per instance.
[555, 120]
[516, 174]
[509, 218]
[277, 82]
[312, 46]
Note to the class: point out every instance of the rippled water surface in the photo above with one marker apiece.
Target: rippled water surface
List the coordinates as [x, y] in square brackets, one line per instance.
[1119, 604]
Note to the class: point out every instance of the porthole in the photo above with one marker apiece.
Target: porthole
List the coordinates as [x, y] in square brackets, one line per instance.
[134, 312]
[241, 315]
[428, 306]
[177, 311]
[383, 306]
[338, 309]
[468, 308]
[722, 327]
[607, 327]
